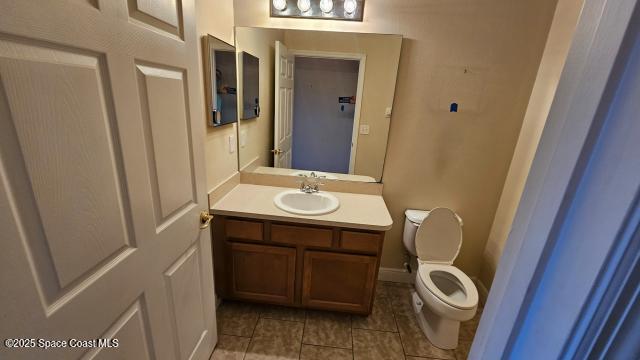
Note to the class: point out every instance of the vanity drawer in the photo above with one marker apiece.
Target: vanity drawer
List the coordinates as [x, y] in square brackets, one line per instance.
[242, 229]
[297, 235]
[360, 241]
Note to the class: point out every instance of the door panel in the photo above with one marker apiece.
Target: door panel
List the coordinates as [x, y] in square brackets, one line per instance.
[67, 153]
[183, 282]
[163, 15]
[165, 117]
[131, 330]
[102, 179]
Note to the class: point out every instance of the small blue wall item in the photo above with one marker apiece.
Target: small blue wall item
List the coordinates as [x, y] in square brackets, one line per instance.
[453, 107]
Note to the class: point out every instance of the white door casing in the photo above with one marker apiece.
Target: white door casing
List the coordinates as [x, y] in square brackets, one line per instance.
[283, 117]
[102, 180]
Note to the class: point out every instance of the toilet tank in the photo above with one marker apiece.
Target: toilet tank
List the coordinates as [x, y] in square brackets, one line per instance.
[412, 220]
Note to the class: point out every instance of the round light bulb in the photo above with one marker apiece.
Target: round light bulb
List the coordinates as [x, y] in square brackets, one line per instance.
[304, 5]
[326, 5]
[280, 4]
[350, 6]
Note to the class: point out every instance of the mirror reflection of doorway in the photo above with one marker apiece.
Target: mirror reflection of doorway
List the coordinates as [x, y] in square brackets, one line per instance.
[318, 102]
[323, 113]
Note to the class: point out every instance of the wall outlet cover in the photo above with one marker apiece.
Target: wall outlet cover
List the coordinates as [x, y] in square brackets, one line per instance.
[364, 129]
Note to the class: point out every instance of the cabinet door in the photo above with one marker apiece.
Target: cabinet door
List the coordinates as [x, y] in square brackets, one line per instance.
[338, 281]
[264, 273]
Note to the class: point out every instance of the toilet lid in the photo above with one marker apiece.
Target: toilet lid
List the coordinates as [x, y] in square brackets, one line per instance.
[439, 237]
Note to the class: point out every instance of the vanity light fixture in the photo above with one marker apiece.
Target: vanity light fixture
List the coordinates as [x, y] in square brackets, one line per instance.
[304, 5]
[351, 10]
[280, 4]
[350, 6]
[326, 6]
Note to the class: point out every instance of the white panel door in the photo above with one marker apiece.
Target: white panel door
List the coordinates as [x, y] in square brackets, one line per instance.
[102, 180]
[283, 117]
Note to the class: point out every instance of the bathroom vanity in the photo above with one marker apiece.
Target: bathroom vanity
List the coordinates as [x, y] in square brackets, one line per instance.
[266, 255]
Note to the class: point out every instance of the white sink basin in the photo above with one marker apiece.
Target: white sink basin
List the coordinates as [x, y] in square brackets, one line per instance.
[318, 174]
[298, 202]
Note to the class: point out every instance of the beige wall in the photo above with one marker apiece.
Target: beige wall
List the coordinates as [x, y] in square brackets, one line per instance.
[215, 17]
[436, 158]
[259, 131]
[544, 89]
[381, 64]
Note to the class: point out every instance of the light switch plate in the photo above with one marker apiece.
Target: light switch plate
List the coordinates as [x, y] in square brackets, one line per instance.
[364, 129]
[232, 144]
[387, 112]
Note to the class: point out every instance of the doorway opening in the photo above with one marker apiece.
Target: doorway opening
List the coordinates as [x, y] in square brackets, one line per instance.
[325, 110]
[324, 106]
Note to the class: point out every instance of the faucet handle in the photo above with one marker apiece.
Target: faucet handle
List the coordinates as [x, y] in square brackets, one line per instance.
[305, 185]
[316, 186]
[301, 178]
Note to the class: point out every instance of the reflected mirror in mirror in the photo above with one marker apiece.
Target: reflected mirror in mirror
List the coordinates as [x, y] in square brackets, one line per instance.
[326, 101]
[250, 86]
[220, 81]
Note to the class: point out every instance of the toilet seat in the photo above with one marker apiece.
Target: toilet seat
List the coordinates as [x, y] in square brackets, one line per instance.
[456, 278]
[438, 241]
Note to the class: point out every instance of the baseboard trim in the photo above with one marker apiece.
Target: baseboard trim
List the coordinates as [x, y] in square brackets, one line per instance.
[396, 275]
[483, 293]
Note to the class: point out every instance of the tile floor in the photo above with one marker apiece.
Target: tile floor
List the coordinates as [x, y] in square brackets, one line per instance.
[252, 332]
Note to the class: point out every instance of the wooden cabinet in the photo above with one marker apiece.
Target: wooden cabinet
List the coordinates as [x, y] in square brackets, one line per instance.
[338, 281]
[259, 272]
[298, 265]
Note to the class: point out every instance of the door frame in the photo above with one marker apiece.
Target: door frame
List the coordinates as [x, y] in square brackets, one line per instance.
[546, 271]
[361, 58]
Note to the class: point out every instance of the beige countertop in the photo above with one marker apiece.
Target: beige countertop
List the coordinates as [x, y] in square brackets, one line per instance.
[356, 211]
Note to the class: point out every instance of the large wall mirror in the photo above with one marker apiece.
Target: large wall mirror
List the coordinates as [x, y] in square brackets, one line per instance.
[326, 100]
[220, 81]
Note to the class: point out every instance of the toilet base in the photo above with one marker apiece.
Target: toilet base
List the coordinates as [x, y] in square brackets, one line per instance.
[442, 332]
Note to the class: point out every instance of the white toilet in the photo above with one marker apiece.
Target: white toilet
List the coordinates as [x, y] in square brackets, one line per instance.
[444, 295]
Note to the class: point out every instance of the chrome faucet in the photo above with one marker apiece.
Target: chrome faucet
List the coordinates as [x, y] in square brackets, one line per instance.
[314, 175]
[310, 184]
